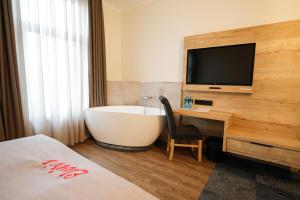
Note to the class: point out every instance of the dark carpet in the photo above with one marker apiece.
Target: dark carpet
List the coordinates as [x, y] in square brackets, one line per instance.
[241, 179]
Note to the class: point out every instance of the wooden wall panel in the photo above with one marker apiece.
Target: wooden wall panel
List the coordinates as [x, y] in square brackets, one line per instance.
[276, 81]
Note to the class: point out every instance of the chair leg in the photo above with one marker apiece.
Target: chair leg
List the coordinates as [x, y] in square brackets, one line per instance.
[172, 149]
[200, 150]
[168, 144]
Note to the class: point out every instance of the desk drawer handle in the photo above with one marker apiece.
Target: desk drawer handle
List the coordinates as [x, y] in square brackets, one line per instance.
[265, 145]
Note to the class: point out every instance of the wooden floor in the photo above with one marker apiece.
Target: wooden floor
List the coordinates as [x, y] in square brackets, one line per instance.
[182, 178]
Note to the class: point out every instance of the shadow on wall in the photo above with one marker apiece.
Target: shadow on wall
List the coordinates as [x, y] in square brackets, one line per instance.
[130, 93]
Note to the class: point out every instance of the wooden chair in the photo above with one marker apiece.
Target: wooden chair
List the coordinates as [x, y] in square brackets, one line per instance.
[182, 132]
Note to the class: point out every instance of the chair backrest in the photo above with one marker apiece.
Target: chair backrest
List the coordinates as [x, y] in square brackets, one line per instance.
[169, 115]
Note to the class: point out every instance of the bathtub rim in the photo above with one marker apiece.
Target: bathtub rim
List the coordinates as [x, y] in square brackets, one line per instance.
[95, 109]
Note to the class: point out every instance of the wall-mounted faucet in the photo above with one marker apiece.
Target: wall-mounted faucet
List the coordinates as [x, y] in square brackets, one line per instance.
[146, 98]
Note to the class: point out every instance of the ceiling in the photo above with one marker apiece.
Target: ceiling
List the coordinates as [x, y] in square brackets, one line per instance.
[127, 4]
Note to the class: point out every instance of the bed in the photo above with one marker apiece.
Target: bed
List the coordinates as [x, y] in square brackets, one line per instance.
[39, 167]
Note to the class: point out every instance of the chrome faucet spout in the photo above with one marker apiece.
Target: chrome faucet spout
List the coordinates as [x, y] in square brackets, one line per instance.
[145, 100]
[146, 97]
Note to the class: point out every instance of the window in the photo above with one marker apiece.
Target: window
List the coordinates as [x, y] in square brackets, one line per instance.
[52, 41]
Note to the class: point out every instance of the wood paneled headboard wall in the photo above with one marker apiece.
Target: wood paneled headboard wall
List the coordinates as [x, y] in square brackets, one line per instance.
[276, 81]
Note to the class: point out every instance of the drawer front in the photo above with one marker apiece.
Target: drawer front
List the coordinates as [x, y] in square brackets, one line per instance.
[264, 152]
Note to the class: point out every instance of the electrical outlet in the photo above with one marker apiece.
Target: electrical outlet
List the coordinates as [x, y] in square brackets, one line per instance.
[203, 102]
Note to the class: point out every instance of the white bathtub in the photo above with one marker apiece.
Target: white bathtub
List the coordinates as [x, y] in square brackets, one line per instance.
[135, 127]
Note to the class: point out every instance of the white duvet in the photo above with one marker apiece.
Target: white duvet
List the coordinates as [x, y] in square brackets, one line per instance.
[41, 168]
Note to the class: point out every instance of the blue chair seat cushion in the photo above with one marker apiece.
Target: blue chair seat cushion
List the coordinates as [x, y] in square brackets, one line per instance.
[187, 132]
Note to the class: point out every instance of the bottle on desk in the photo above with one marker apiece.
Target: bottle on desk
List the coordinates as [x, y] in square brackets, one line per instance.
[187, 102]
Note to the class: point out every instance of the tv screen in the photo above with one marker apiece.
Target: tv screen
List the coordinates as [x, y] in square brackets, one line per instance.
[224, 65]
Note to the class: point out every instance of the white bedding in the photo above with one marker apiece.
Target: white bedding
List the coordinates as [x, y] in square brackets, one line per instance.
[23, 176]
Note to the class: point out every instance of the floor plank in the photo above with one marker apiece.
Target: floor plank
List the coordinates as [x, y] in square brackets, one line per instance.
[182, 178]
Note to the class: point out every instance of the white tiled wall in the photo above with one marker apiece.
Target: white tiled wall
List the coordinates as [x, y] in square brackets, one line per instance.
[130, 92]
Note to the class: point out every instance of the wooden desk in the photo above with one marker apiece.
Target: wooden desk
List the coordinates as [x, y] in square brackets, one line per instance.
[276, 145]
[212, 115]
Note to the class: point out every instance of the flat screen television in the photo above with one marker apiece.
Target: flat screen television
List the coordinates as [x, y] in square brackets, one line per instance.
[224, 65]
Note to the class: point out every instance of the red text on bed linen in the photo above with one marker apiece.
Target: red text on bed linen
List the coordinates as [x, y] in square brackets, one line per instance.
[64, 170]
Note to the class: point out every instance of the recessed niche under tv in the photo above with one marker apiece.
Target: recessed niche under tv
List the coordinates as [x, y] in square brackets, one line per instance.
[221, 68]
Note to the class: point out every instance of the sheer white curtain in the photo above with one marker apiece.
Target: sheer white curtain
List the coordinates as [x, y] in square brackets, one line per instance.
[52, 47]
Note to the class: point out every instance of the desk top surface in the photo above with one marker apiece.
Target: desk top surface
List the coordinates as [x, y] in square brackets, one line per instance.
[208, 114]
